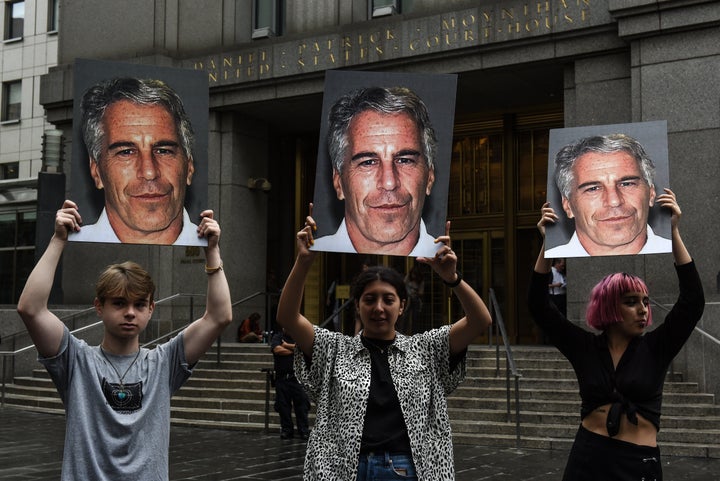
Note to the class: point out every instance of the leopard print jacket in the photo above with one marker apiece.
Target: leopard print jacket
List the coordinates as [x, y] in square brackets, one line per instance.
[337, 378]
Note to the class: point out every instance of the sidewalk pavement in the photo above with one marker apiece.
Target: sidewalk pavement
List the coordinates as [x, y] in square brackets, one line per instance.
[31, 449]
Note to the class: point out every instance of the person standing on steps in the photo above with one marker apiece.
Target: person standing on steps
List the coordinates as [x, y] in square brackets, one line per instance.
[289, 393]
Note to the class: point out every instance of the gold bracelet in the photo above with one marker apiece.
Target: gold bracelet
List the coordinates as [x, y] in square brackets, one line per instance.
[212, 270]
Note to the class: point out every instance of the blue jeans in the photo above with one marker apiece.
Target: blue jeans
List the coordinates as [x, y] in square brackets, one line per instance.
[386, 467]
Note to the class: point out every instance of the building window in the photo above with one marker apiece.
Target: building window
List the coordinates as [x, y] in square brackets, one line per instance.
[53, 14]
[267, 18]
[9, 170]
[17, 252]
[11, 95]
[14, 20]
[382, 8]
[476, 174]
[532, 159]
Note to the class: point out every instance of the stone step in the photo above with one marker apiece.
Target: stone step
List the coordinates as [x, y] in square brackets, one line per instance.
[255, 379]
[476, 354]
[232, 395]
[710, 422]
[465, 397]
[565, 431]
[550, 394]
[667, 448]
[51, 404]
[564, 384]
[231, 413]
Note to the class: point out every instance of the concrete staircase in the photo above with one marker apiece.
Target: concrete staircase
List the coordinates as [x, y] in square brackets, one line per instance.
[232, 396]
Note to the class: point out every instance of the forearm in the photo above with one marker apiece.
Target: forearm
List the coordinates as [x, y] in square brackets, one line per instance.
[200, 335]
[542, 265]
[45, 329]
[288, 313]
[219, 306]
[283, 351]
[680, 253]
[477, 318]
[37, 289]
[476, 312]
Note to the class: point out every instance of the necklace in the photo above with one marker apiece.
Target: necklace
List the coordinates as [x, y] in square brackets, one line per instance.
[381, 348]
[122, 393]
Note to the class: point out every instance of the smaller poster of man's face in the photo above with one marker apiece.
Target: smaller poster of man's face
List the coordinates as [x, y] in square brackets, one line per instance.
[383, 163]
[602, 183]
[139, 173]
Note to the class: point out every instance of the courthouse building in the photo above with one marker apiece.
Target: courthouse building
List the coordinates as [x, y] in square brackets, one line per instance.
[28, 48]
[524, 67]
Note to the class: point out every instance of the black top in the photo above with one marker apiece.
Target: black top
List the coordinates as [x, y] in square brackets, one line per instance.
[636, 385]
[386, 430]
[283, 364]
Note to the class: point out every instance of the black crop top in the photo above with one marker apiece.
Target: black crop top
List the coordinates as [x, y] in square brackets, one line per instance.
[636, 385]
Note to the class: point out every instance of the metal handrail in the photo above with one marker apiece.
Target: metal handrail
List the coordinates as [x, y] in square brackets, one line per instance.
[337, 312]
[219, 339]
[510, 363]
[715, 340]
[247, 298]
[710, 337]
[699, 330]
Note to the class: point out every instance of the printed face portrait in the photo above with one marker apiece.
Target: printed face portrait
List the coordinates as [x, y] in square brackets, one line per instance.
[139, 158]
[142, 168]
[602, 184]
[381, 183]
[384, 180]
[609, 201]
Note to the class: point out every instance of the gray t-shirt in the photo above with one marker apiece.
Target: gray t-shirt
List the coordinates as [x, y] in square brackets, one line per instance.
[113, 433]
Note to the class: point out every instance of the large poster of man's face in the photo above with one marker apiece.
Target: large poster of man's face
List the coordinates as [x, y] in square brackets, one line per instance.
[383, 162]
[602, 183]
[139, 163]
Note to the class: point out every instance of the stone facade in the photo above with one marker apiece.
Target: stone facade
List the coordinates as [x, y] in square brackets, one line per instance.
[615, 62]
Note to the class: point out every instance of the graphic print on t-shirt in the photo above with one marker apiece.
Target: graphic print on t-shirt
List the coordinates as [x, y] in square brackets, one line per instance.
[123, 398]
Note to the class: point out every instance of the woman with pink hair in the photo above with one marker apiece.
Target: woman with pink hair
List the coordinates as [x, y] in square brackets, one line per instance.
[620, 370]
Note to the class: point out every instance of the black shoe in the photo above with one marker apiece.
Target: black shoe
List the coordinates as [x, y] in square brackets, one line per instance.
[285, 435]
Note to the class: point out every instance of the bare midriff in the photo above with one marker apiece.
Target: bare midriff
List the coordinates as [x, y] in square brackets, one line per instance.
[644, 434]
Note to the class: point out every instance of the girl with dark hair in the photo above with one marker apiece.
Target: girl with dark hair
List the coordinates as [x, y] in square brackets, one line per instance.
[621, 371]
[381, 395]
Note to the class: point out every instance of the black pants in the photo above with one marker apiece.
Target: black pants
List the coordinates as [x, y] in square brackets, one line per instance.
[599, 458]
[560, 301]
[289, 393]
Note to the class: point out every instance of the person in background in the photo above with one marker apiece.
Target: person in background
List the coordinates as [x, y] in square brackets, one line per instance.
[250, 330]
[381, 395]
[621, 370]
[558, 285]
[289, 393]
[415, 285]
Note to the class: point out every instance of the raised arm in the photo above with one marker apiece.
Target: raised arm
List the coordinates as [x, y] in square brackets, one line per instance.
[288, 313]
[669, 201]
[200, 335]
[547, 216]
[44, 327]
[477, 317]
